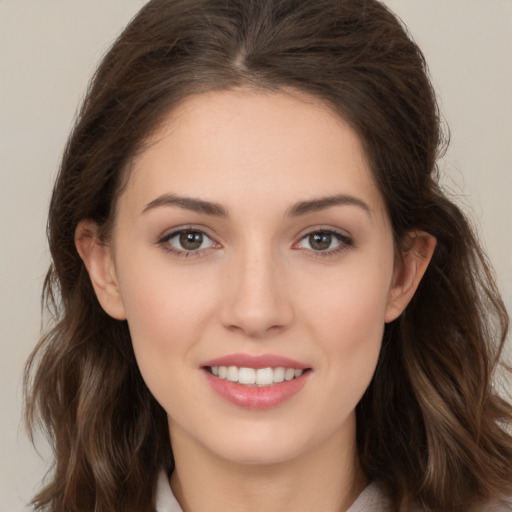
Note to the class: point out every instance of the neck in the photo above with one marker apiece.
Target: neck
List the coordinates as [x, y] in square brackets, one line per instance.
[326, 478]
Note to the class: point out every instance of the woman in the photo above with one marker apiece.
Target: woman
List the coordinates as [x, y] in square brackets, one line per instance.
[263, 299]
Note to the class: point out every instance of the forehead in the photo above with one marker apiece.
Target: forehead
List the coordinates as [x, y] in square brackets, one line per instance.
[254, 145]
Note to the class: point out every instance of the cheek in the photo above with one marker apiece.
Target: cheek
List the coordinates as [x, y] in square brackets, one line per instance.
[166, 312]
[347, 318]
[351, 327]
[355, 339]
[161, 298]
[350, 304]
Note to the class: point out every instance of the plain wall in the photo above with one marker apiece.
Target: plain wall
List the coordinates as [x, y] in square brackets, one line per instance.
[48, 50]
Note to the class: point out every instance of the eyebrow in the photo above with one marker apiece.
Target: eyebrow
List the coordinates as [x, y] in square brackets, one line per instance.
[322, 203]
[187, 203]
[217, 210]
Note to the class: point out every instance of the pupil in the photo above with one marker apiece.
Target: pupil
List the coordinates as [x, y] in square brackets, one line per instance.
[320, 241]
[191, 240]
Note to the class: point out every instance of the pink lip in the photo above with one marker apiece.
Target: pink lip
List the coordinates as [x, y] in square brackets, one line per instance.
[255, 397]
[259, 361]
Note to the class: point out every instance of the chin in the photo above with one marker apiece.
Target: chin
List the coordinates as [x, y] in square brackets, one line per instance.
[260, 455]
[263, 444]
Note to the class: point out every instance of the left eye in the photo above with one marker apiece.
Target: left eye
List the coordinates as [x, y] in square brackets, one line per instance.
[189, 240]
[320, 241]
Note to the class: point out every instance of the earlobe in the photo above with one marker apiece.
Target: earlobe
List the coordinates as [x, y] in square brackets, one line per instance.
[415, 260]
[98, 260]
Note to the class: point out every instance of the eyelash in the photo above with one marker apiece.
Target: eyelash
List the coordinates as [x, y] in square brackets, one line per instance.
[164, 242]
[344, 243]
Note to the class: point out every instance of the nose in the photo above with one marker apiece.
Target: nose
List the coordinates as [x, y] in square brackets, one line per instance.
[257, 300]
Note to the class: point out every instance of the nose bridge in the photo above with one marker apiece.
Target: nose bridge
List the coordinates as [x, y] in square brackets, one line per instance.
[257, 301]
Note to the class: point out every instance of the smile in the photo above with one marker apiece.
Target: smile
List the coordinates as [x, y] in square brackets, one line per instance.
[258, 381]
[255, 376]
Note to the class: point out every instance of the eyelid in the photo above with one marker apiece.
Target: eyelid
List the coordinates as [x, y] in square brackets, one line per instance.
[324, 228]
[163, 241]
[346, 241]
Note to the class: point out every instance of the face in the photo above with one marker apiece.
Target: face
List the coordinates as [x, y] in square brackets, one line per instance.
[253, 259]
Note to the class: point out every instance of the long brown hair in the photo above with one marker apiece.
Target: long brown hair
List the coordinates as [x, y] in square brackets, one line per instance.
[431, 427]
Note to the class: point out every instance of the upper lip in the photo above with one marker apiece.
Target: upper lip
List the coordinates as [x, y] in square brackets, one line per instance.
[255, 361]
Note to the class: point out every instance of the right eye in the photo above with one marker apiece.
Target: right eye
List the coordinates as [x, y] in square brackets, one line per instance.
[186, 242]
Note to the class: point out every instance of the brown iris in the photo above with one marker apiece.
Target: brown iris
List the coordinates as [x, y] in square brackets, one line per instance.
[320, 241]
[191, 240]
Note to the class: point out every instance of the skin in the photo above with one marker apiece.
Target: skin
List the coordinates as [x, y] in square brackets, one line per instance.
[256, 285]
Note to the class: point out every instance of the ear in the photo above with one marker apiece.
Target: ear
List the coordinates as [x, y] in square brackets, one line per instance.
[98, 260]
[415, 259]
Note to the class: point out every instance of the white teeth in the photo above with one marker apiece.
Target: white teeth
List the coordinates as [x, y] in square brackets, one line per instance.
[232, 374]
[247, 376]
[258, 377]
[264, 376]
[279, 374]
[289, 374]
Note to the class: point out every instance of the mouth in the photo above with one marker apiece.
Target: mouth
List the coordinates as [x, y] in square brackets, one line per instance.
[256, 377]
[256, 382]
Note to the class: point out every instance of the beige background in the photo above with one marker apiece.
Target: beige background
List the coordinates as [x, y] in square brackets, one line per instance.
[48, 50]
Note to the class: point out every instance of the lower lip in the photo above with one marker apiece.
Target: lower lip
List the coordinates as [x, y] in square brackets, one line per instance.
[256, 397]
